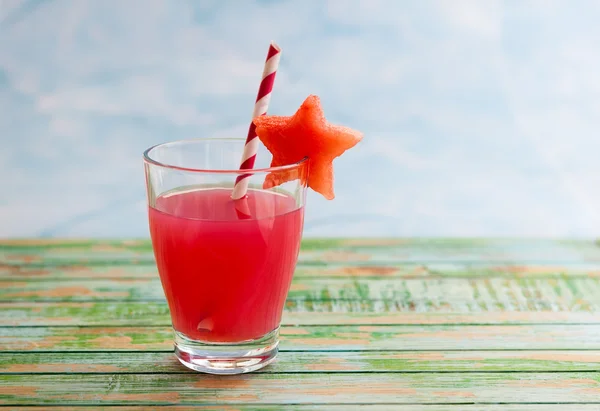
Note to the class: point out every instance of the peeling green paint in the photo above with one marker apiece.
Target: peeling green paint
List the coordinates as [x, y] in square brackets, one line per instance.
[368, 320]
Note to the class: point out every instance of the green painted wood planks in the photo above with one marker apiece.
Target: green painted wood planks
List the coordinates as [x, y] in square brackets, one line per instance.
[434, 295]
[321, 251]
[312, 362]
[319, 338]
[33, 271]
[296, 312]
[369, 388]
[470, 324]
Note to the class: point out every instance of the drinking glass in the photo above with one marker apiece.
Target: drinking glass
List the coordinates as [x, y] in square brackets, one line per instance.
[225, 265]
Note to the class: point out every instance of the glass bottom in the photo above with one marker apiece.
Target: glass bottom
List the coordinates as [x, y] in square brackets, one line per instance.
[227, 358]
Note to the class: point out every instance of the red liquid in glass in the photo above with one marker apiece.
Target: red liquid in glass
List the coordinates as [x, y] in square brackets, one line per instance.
[225, 279]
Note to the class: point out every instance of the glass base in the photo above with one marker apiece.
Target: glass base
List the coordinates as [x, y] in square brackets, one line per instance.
[227, 358]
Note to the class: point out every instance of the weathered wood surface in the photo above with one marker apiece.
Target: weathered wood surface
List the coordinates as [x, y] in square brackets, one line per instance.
[439, 361]
[339, 407]
[316, 338]
[321, 252]
[34, 271]
[330, 312]
[367, 388]
[370, 324]
[448, 294]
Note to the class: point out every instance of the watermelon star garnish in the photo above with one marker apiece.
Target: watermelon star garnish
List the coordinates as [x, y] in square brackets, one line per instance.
[305, 134]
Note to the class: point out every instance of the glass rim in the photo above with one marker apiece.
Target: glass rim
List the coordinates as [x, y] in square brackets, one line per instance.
[148, 159]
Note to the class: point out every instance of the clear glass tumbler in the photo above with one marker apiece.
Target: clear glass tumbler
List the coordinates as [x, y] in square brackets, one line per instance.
[225, 265]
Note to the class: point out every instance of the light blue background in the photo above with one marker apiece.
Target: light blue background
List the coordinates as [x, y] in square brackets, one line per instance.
[480, 117]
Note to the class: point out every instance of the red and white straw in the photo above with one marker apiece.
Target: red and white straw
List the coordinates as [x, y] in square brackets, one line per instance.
[260, 108]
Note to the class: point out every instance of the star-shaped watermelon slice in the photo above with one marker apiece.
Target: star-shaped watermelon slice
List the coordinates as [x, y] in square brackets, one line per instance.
[305, 134]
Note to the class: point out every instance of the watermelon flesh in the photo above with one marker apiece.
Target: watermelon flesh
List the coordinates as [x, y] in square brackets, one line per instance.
[305, 134]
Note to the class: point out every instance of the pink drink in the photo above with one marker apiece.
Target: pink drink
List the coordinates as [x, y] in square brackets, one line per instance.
[225, 278]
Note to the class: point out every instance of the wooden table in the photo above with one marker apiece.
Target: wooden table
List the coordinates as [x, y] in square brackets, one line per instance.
[431, 324]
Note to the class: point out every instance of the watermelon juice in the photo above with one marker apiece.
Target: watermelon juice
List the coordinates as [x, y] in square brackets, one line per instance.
[226, 279]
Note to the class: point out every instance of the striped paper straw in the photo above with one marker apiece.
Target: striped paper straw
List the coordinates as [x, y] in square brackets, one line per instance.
[260, 108]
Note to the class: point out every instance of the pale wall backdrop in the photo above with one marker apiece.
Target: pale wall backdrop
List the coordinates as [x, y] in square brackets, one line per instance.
[480, 117]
